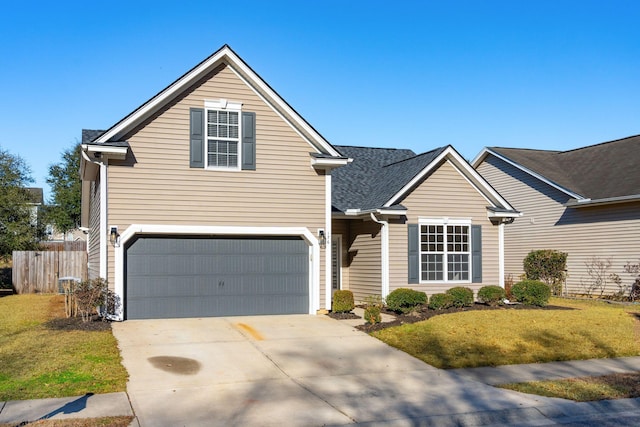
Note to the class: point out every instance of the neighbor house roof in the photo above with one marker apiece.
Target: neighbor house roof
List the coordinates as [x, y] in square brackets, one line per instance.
[596, 173]
[35, 195]
[380, 178]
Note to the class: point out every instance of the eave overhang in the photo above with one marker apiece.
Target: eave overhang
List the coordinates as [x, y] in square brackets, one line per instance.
[323, 162]
[584, 203]
[396, 211]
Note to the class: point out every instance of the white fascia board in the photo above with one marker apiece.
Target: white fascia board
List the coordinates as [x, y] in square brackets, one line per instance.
[163, 97]
[470, 174]
[108, 150]
[487, 151]
[168, 229]
[239, 67]
[329, 163]
[493, 214]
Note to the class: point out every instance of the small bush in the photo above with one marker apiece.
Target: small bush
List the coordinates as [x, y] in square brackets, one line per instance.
[548, 266]
[440, 301]
[532, 292]
[342, 301]
[491, 295]
[403, 300]
[89, 295]
[372, 315]
[461, 296]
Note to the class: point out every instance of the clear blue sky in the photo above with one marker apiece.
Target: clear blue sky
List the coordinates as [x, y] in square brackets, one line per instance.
[412, 74]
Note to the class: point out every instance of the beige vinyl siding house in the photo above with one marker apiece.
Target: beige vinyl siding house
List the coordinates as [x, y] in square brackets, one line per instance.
[401, 194]
[564, 212]
[215, 200]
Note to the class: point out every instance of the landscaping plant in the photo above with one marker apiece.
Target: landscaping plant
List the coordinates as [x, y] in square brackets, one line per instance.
[372, 315]
[440, 301]
[548, 266]
[460, 296]
[342, 301]
[531, 292]
[403, 300]
[491, 295]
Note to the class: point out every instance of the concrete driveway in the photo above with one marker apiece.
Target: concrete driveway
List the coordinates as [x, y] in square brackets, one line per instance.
[289, 370]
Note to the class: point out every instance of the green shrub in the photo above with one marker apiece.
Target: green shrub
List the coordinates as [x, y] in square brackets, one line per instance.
[548, 266]
[461, 296]
[403, 300]
[531, 292]
[440, 301]
[372, 314]
[342, 302]
[492, 295]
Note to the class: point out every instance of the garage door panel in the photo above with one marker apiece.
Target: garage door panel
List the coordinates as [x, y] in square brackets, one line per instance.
[199, 277]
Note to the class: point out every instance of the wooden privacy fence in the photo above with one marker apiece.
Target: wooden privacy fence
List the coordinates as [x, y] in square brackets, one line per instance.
[39, 271]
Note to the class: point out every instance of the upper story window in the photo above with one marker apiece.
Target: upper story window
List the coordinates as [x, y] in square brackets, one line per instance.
[445, 251]
[223, 132]
[223, 138]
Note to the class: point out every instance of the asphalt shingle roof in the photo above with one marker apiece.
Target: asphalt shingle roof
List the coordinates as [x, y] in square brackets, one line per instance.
[375, 175]
[88, 135]
[601, 171]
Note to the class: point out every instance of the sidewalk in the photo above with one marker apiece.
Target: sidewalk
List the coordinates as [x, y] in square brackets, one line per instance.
[549, 371]
[88, 406]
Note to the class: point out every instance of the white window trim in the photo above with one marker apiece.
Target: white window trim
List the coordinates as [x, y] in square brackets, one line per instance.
[444, 222]
[222, 105]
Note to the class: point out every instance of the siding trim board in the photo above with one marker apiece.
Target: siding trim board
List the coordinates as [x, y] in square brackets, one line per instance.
[176, 230]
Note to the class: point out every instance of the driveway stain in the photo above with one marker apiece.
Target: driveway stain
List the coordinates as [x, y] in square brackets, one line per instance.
[175, 364]
[255, 334]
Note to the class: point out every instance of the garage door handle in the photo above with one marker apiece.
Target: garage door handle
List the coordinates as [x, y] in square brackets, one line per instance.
[221, 283]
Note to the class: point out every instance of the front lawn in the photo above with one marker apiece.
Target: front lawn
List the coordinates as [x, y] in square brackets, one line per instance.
[585, 330]
[38, 360]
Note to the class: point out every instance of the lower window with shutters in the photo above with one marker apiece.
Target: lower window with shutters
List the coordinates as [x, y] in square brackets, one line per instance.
[446, 251]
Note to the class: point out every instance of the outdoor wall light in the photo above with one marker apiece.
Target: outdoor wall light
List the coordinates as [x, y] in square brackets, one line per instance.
[322, 239]
[114, 237]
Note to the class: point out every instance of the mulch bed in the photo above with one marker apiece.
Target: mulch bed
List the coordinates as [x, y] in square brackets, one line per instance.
[423, 313]
[76, 324]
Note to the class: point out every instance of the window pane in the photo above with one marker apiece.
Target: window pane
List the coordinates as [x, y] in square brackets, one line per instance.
[432, 268]
[233, 118]
[458, 267]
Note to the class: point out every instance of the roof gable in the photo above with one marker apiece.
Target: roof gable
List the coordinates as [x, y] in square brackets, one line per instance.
[228, 57]
[381, 178]
[603, 171]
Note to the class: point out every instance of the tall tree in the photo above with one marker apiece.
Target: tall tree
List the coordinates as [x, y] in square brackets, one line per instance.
[64, 208]
[18, 225]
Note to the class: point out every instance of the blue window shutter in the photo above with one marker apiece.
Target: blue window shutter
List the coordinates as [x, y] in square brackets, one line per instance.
[476, 253]
[249, 141]
[196, 135]
[413, 238]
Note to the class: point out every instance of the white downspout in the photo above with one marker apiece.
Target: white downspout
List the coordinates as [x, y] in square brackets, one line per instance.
[384, 254]
[328, 236]
[103, 220]
[501, 254]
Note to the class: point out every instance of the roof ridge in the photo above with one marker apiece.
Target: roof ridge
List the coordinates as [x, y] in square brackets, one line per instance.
[374, 148]
[414, 157]
[600, 143]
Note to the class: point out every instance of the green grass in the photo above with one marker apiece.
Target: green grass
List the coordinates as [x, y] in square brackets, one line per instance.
[38, 362]
[592, 329]
[614, 386]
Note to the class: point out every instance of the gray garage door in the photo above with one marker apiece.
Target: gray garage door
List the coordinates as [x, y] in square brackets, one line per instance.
[169, 277]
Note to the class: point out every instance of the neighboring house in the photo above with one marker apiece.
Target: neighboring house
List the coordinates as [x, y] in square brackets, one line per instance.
[427, 221]
[36, 203]
[585, 202]
[215, 198]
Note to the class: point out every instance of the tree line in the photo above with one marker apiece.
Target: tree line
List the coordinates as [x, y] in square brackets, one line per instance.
[20, 228]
